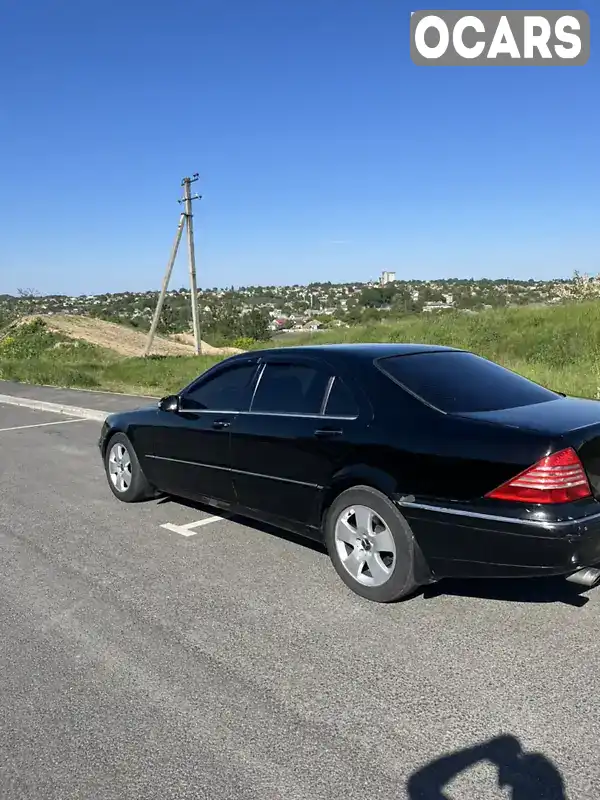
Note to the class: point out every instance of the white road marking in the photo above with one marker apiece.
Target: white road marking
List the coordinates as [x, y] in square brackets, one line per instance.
[43, 424]
[190, 528]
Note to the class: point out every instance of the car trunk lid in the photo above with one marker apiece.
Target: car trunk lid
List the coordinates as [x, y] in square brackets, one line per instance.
[574, 419]
[555, 417]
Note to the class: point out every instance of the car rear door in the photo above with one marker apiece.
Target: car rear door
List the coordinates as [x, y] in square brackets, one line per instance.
[285, 449]
[191, 447]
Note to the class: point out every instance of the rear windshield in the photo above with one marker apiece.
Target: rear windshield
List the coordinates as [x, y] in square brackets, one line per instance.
[463, 382]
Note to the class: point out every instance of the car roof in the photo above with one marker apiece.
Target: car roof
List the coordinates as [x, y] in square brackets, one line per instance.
[368, 351]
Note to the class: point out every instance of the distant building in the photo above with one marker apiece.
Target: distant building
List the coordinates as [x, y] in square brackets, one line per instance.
[437, 306]
[387, 277]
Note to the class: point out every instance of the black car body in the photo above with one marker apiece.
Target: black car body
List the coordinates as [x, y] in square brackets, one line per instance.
[279, 434]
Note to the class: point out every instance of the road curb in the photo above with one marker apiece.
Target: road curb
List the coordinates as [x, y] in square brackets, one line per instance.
[97, 391]
[54, 408]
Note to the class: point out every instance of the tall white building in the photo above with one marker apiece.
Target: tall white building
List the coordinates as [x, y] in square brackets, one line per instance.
[387, 277]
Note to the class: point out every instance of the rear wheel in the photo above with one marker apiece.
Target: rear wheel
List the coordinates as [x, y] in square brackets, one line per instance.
[371, 545]
[125, 477]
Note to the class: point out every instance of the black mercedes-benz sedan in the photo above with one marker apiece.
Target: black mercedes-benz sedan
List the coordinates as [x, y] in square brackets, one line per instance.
[410, 462]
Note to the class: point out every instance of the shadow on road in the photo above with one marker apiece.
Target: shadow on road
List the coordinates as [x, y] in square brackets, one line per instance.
[527, 776]
[516, 590]
[513, 590]
[250, 523]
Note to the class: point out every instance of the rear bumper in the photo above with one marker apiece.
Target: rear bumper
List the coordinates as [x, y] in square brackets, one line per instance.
[461, 543]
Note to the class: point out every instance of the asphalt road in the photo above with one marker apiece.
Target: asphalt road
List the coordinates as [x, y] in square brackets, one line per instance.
[137, 662]
[101, 401]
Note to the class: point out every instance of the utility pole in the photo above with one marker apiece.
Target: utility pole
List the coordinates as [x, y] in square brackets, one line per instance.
[192, 259]
[185, 219]
[165, 286]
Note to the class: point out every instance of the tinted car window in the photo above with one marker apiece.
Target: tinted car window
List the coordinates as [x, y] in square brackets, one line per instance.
[463, 382]
[228, 391]
[291, 389]
[341, 403]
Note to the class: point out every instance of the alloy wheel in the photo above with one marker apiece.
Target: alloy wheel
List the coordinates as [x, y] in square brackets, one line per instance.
[119, 467]
[365, 545]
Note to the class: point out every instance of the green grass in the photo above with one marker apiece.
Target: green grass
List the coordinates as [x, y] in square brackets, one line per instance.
[550, 335]
[156, 376]
[557, 346]
[33, 354]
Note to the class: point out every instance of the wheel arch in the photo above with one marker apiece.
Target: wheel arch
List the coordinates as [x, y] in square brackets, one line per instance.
[358, 475]
[382, 481]
[373, 478]
[108, 434]
[143, 489]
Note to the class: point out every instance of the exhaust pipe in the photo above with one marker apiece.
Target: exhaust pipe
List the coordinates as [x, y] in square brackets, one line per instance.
[589, 576]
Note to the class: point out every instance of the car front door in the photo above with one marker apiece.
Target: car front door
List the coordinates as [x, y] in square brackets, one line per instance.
[285, 449]
[191, 447]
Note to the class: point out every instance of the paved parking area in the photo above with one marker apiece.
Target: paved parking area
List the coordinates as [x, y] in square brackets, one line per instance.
[103, 401]
[139, 661]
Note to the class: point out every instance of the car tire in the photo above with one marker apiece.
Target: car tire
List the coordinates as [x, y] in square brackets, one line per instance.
[363, 527]
[123, 471]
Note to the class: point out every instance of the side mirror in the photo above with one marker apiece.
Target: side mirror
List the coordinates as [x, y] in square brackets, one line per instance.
[170, 403]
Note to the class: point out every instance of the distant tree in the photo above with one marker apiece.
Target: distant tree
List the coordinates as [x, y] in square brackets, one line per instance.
[228, 322]
[354, 315]
[6, 317]
[27, 299]
[168, 319]
[429, 295]
[465, 300]
[255, 325]
[581, 287]
[377, 296]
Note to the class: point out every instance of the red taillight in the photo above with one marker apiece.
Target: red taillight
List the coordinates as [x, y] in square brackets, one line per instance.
[558, 478]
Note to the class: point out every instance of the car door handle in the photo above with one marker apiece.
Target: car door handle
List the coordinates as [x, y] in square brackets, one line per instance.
[221, 423]
[325, 433]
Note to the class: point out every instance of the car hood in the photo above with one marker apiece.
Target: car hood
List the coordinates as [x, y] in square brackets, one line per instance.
[130, 413]
[554, 417]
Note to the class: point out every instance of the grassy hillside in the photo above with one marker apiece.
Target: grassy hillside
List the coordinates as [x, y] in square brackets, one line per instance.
[32, 353]
[556, 346]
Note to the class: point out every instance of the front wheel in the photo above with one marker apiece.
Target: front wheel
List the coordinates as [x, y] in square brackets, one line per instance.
[371, 545]
[125, 477]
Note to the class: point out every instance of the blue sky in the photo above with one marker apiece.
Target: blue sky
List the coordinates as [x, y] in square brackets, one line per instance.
[324, 152]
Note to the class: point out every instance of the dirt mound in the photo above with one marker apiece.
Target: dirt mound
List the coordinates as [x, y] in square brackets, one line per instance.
[207, 349]
[121, 339]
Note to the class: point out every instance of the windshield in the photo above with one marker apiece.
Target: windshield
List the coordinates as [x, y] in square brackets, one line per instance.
[457, 382]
